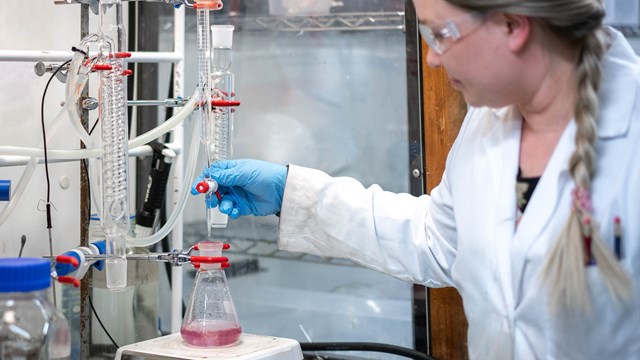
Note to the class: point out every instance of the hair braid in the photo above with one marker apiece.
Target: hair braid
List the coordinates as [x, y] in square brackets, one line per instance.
[576, 22]
[564, 270]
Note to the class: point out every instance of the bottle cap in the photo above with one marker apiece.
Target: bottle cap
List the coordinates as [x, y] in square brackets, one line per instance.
[5, 190]
[24, 274]
[222, 36]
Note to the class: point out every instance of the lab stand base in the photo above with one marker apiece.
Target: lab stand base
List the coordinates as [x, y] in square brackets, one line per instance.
[248, 347]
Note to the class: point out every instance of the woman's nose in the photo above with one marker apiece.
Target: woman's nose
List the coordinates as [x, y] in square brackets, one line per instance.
[433, 59]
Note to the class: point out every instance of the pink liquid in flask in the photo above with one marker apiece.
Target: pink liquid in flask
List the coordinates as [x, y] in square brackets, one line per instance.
[211, 333]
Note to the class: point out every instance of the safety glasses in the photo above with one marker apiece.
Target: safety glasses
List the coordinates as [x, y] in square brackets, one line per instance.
[440, 41]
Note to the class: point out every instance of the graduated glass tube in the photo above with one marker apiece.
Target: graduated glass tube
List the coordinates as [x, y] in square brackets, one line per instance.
[222, 89]
[214, 217]
[115, 151]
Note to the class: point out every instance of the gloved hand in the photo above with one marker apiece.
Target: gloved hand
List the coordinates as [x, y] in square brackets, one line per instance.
[247, 187]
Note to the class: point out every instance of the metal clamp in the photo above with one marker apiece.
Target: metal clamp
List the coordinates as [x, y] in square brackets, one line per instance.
[40, 68]
[175, 257]
[94, 3]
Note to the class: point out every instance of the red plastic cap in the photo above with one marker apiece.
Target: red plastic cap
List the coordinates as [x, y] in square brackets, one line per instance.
[202, 187]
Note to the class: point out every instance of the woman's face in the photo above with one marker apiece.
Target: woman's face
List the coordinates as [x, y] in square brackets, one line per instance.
[473, 50]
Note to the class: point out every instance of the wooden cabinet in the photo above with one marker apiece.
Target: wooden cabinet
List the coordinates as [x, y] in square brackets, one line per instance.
[443, 109]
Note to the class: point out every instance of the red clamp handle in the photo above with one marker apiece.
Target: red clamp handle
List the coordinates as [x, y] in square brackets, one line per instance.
[66, 259]
[209, 259]
[69, 280]
[101, 67]
[207, 4]
[225, 103]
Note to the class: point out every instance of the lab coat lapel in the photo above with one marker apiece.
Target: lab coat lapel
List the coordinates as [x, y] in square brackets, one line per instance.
[502, 145]
[542, 207]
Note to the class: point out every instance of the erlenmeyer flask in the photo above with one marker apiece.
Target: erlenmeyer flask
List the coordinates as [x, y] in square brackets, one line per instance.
[211, 319]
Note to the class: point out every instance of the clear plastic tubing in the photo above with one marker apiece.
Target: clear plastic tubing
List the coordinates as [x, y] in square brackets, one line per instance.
[34, 153]
[182, 199]
[76, 154]
[30, 168]
[115, 150]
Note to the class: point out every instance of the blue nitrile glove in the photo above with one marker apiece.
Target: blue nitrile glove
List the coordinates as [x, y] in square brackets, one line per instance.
[247, 187]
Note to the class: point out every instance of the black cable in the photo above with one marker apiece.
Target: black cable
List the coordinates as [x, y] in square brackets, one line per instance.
[95, 313]
[101, 324]
[46, 166]
[94, 126]
[44, 142]
[169, 110]
[364, 346]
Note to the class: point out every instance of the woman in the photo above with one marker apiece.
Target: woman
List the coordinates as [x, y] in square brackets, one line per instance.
[544, 273]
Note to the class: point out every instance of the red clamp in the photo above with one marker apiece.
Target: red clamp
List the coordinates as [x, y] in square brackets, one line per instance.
[122, 55]
[222, 260]
[66, 259]
[69, 280]
[225, 103]
[208, 4]
[101, 67]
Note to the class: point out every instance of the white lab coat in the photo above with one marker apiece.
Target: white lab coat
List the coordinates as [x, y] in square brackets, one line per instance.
[464, 234]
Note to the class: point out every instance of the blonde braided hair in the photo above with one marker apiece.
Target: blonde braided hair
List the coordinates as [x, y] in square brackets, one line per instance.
[576, 22]
[563, 271]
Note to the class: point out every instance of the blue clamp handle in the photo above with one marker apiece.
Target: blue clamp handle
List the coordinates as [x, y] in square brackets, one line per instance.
[5, 190]
[65, 269]
[102, 247]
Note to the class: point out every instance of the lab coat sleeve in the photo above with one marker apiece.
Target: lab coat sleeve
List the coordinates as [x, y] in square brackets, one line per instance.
[391, 233]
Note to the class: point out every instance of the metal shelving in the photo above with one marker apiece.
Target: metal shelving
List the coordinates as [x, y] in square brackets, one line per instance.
[394, 20]
[628, 30]
[340, 22]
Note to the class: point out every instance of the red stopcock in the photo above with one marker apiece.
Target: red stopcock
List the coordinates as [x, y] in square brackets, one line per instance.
[208, 186]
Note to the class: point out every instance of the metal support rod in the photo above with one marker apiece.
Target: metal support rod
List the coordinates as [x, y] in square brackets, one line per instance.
[168, 102]
[49, 56]
[177, 240]
[144, 150]
[85, 214]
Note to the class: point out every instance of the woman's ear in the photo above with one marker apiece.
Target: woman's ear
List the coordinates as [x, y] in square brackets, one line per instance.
[517, 28]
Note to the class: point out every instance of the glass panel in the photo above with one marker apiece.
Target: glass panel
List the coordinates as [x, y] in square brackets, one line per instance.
[326, 91]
